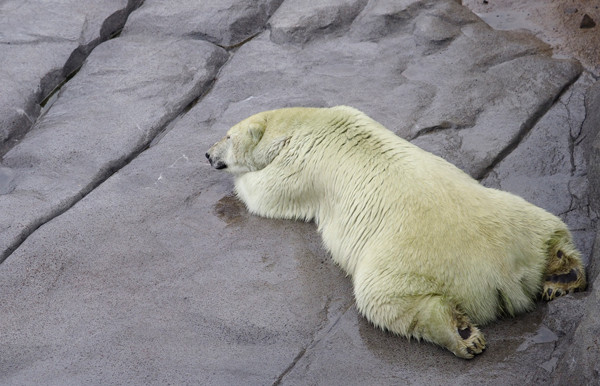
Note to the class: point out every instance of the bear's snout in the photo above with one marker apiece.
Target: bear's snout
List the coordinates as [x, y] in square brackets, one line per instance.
[217, 164]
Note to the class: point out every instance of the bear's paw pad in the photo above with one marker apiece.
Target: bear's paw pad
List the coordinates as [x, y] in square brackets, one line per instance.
[557, 285]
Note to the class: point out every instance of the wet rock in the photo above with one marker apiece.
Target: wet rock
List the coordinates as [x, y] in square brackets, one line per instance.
[231, 210]
[358, 351]
[228, 300]
[579, 365]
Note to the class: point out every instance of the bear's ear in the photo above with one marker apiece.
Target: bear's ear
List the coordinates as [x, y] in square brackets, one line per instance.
[256, 130]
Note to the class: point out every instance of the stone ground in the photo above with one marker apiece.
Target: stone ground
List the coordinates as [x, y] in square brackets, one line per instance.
[126, 259]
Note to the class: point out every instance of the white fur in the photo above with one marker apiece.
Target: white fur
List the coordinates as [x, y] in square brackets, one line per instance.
[422, 241]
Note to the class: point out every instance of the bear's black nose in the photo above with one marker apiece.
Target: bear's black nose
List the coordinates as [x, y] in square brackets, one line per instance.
[207, 155]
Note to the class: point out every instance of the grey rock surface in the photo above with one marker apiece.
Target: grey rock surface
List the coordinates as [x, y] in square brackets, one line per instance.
[579, 357]
[41, 44]
[549, 166]
[226, 22]
[580, 364]
[555, 22]
[593, 143]
[301, 21]
[103, 117]
[128, 260]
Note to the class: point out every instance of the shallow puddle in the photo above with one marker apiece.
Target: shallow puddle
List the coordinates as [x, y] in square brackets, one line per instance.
[543, 335]
[230, 209]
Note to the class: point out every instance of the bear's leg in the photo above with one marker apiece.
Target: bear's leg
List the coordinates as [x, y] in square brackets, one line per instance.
[564, 272]
[429, 316]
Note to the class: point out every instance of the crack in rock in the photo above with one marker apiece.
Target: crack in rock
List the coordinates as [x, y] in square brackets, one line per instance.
[525, 129]
[54, 80]
[317, 338]
[112, 167]
[444, 125]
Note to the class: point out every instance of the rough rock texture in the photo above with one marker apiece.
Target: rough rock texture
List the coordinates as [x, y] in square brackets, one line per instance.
[575, 358]
[558, 22]
[128, 260]
[102, 118]
[593, 143]
[225, 22]
[41, 44]
[554, 175]
[579, 355]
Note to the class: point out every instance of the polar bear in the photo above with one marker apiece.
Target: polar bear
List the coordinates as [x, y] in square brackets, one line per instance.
[431, 253]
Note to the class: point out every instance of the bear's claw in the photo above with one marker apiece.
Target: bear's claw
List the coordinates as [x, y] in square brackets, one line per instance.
[557, 285]
[564, 274]
[470, 340]
[472, 345]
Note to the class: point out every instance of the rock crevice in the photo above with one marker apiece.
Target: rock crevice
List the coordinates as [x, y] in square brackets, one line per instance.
[51, 51]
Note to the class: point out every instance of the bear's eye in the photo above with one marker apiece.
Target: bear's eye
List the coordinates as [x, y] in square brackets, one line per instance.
[228, 137]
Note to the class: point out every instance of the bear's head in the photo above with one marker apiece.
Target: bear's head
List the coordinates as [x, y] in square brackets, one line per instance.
[248, 146]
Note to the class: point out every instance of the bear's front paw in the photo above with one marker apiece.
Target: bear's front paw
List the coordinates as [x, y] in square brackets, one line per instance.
[470, 343]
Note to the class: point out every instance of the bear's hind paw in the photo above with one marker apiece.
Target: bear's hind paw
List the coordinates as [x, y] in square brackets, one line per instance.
[562, 284]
